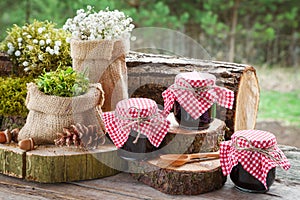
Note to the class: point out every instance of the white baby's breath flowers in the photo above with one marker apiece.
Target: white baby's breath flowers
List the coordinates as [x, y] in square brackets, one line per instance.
[25, 63]
[17, 53]
[91, 25]
[38, 45]
[42, 42]
[48, 41]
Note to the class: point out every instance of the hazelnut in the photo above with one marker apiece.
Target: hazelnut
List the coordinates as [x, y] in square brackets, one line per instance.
[26, 144]
[5, 136]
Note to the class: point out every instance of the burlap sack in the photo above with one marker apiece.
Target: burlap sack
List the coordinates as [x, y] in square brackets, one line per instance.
[50, 114]
[104, 61]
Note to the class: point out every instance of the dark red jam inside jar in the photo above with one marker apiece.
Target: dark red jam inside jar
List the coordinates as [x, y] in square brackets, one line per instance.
[141, 150]
[247, 183]
[186, 121]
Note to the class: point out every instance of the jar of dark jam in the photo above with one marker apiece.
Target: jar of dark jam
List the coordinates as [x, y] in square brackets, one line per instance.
[141, 150]
[247, 183]
[137, 128]
[186, 121]
[251, 158]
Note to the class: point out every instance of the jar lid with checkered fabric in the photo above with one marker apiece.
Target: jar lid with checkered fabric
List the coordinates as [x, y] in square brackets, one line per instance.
[196, 92]
[255, 150]
[138, 114]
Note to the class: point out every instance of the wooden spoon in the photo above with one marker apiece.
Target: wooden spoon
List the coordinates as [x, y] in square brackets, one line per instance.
[177, 160]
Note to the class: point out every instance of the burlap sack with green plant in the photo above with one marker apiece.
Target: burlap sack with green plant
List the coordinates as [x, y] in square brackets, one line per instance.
[104, 62]
[49, 114]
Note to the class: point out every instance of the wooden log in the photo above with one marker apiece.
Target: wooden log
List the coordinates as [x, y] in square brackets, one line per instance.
[12, 160]
[180, 140]
[51, 164]
[149, 75]
[189, 179]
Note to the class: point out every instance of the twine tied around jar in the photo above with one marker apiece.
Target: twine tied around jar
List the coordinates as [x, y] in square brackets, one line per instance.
[139, 120]
[267, 151]
[195, 90]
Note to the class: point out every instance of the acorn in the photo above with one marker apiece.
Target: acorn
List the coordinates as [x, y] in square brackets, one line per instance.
[26, 144]
[14, 135]
[5, 136]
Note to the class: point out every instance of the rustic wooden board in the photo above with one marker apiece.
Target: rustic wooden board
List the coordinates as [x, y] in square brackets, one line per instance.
[51, 164]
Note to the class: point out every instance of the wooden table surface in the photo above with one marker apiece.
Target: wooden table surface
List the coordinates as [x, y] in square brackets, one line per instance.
[123, 186]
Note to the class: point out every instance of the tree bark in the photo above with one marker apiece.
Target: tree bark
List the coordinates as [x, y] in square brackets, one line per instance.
[190, 179]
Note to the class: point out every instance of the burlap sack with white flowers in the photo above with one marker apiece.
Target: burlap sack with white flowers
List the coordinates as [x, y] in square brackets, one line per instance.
[50, 114]
[104, 61]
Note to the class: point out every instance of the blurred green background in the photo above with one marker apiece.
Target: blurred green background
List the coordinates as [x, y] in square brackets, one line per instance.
[262, 33]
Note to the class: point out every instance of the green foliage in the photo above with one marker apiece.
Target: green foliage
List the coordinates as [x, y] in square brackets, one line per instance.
[36, 47]
[280, 106]
[63, 83]
[267, 31]
[13, 94]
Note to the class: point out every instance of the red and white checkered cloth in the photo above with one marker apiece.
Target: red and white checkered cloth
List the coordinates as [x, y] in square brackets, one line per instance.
[245, 148]
[138, 114]
[196, 93]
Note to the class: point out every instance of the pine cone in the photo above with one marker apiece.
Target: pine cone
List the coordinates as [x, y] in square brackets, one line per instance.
[80, 136]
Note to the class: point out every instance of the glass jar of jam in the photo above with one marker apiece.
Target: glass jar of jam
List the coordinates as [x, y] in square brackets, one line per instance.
[251, 158]
[186, 121]
[193, 98]
[141, 150]
[137, 127]
[246, 182]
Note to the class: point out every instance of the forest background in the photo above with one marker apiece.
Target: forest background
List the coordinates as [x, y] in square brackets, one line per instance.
[262, 33]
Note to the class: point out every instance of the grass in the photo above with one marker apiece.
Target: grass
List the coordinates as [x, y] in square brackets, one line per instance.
[280, 106]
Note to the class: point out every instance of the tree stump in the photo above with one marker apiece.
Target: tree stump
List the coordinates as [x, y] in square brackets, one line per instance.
[153, 73]
[190, 179]
[52, 164]
[179, 140]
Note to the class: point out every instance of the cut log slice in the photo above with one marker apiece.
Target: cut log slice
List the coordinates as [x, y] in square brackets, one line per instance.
[149, 74]
[52, 164]
[190, 179]
[11, 160]
[179, 140]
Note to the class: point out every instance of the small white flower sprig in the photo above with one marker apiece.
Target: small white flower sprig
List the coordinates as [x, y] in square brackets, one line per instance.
[36, 47]
[91, 25]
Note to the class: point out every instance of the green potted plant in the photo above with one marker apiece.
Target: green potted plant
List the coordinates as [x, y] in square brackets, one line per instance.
[59, 99]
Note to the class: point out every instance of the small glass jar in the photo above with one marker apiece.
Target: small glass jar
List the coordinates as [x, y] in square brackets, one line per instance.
[141, 150]
[251, 158]
[137, 127]
[247, 183]
[186, 121]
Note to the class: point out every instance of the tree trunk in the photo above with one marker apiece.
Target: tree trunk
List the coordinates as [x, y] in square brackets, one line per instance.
[154, 73]
[233, 28]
